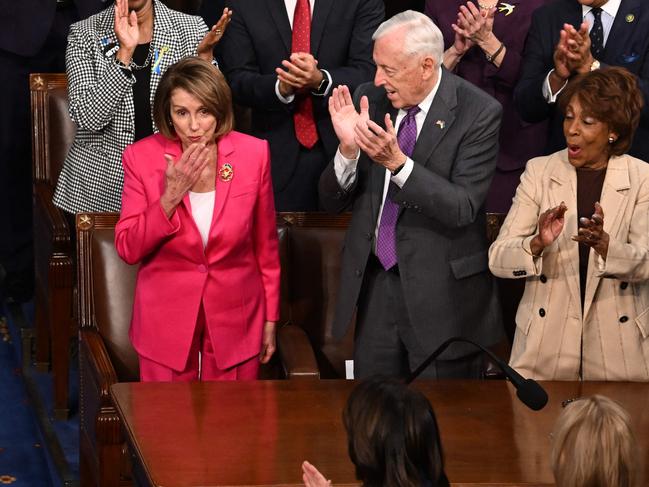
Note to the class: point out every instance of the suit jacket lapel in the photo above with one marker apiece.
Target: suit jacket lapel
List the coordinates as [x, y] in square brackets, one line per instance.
[164, 45]
[563, 187]
[438, 121]
[622, 33]
[225, 155]
[277, 9]
[614, 198]
[320, 13]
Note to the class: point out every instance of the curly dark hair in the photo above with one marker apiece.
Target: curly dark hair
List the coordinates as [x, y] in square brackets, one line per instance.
[392, 434]
[611, 95]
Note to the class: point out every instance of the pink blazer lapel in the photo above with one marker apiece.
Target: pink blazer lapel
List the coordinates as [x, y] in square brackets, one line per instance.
[225, 172]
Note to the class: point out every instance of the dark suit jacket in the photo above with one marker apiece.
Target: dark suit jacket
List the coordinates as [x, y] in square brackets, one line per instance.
[259, 38]
[627, 46]
[26, 23]
[441, 233]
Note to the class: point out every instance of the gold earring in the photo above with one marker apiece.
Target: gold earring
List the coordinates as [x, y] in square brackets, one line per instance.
[611, 139]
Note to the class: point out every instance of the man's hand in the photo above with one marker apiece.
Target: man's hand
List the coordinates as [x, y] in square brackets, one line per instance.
[206, 47]
[301, 73]
[344, 119]
[578, 52]
[380, 145]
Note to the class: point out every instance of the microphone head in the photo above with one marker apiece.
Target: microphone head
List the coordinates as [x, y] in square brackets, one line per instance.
[532, 394]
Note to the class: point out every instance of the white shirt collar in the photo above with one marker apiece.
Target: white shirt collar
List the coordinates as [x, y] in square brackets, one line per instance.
[611, 7]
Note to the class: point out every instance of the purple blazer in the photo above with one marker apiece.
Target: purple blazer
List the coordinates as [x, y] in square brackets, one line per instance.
[519, 140]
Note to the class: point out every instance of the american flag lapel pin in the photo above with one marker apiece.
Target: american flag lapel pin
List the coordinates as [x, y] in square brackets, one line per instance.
[441, 124]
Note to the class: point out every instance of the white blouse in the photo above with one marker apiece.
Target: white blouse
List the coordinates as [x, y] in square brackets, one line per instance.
[202, 211]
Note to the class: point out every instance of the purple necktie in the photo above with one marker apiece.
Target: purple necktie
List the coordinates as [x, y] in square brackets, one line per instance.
[386, 243]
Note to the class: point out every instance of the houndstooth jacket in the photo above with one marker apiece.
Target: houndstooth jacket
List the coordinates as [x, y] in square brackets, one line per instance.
[101, 103]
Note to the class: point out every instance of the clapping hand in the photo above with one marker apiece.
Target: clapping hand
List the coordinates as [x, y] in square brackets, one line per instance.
[475, 24]
[126, 30]
[206, 47]
[300, 73]
[312, 477]
[344, 118]
[380, 144]
[591, 232]
[550, 226]
[181, 175]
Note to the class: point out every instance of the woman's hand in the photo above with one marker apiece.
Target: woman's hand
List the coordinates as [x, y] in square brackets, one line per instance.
[312, 477]
[268, 342]
[206, 47]
[549, 228]
[476, 25]
[592, 234]
[126, 30]
[182, 174]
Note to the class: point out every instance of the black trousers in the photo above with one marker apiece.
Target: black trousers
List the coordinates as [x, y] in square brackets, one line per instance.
[386, 343]
[301, 192]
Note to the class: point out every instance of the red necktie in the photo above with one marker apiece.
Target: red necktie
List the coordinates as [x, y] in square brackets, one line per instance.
[305, 129]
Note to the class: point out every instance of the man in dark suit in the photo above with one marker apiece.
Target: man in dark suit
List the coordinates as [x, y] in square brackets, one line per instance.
[414, 165]
[282, 57]
[568, 37]
[32, 39]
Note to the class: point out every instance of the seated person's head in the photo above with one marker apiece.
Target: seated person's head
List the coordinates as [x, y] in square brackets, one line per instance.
[611, 97]
[392, 435]
[593, 445]
[193, 103]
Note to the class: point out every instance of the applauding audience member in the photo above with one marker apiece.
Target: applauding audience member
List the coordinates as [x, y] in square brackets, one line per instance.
[578, 233]
[484, 43]
[594, 446]
[570, 37]
[198, 216]
[392, 438]
[114, 62]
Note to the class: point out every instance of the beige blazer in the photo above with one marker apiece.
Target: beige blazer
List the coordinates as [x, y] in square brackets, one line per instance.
[611, 335]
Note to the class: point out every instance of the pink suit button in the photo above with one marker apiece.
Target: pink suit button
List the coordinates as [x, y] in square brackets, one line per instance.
[202, 269]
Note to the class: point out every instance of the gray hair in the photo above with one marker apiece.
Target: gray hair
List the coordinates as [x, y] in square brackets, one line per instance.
[422, 35]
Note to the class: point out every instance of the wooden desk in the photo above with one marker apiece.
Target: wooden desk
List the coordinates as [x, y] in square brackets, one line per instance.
[258, 433]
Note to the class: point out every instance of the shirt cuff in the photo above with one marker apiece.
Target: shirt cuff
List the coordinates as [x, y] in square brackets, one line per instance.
[345, 169]
[547, 91]
[285, 100]
[401, 178]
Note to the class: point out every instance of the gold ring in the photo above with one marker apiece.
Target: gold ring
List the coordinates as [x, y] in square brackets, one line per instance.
[217, 31]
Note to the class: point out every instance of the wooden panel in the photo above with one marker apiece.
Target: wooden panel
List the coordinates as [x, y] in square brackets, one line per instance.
[258, 433]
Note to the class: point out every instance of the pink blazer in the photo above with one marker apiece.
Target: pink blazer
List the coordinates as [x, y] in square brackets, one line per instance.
[236, 276]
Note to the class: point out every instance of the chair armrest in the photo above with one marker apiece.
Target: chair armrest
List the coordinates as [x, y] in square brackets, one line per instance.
[491, 371]
[54, 217]
[100, 365]
[296, 353]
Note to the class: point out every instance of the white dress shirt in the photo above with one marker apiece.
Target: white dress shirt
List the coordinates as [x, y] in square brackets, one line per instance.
[202, 211]
[609, 11]
[345, 169]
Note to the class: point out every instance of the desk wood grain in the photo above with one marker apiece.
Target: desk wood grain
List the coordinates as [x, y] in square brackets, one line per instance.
[258, 433]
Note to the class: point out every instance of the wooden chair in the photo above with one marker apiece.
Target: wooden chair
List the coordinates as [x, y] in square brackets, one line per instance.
[52, 135]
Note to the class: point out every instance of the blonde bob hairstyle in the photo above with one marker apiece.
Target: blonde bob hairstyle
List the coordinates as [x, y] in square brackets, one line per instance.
[593, 445]
[202, 80]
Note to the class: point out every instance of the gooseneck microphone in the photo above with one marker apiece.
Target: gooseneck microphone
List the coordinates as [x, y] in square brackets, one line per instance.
[527, 390]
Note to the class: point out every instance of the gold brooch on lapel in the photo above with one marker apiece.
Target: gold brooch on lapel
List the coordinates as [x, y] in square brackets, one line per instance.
[226, 172]
[629, 18]
[441, 124]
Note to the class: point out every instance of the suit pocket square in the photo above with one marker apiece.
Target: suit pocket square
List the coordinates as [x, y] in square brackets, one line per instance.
[629, 58]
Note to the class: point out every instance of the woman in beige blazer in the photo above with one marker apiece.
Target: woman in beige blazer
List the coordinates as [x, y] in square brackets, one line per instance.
[578, 232]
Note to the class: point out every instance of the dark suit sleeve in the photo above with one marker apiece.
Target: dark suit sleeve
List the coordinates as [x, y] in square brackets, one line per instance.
[249, 86]
[537, 62]
[455, 202]
[359, 67]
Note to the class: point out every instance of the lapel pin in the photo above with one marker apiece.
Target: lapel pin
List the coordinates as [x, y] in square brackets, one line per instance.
[441, 124]
[506, 7]
[629, 18]
[226, 172]
[157, 58]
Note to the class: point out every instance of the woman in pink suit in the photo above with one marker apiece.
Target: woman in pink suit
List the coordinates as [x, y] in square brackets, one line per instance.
[198, 216]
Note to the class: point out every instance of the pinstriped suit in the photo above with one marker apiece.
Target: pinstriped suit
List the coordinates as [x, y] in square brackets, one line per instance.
[550, 324]
[101, 103]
